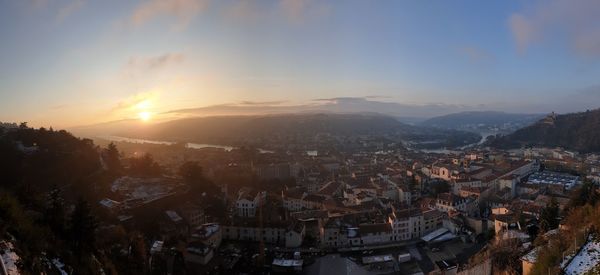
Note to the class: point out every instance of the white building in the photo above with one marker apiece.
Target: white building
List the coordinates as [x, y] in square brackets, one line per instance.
[248, 201]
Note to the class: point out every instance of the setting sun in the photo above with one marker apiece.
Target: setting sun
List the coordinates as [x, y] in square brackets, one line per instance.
[145, 116]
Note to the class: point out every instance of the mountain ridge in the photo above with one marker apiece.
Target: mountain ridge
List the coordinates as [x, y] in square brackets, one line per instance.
[232, 130]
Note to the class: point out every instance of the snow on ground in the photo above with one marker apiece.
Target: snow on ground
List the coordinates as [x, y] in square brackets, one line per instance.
[9, 259]
[60, 266]
[586, 259]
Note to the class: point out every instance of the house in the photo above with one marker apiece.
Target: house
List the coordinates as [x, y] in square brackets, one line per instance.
[505, 222]
[528, 260]
[332, 189]
[192, 213]
[295, 235]
[444, 171]
[198, 253]
[274, 171]
[450, 202]
[459, 184]
[406, 223]
[172, 224]
[248, 201]
[332, 234]
[432, 220]
[375, 233]
[297, 200]
[209, 234]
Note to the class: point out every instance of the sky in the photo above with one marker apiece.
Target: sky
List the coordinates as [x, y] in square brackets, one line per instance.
[65, 63]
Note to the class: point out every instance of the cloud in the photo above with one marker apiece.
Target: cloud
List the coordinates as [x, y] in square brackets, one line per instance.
[293, 11]
[69, 9]
[297, 11]
[334, 105]
[136, 102]
[261, 103]
[524, 33]
[244, 11]
[476, 54]
[143, 65]
[574, 21]
[182, 10]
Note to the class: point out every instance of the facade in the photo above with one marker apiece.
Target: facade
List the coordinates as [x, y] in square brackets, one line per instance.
[248, 202]
[295, 235]
[209, 234]
[273, 235]
[450, 202]
[198, 253]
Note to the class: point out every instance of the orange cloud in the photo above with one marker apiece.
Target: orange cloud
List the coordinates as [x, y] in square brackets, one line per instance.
[141, 101]
[297, 10]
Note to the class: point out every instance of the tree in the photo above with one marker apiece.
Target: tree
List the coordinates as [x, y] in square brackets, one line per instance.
[549, 216]
[191, 172]
[145, 166]
[83, 226]
[55, 213]
[193, 176]
[587, 193]
[507, 256]
[139, 255]
[113, 158]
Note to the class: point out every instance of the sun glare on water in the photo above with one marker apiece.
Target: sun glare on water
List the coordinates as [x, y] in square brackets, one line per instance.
[145, 116]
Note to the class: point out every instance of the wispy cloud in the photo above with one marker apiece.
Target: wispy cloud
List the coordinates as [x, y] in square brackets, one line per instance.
[244, 11]
[144, 65]
[293, 11]
[182, 11]
[573, 20]
[69, 9]
[136, 102]
[336, 105]
[299, 10]
[261, 103]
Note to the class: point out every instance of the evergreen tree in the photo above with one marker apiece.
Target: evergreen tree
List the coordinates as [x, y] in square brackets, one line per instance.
[113, 158]
[56, 212]
[83, 226]
[549, 216]
[145, 166]
[193, 176]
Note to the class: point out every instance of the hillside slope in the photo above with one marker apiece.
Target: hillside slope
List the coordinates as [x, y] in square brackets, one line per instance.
[482, 121]
[576, 131]
[232, 130]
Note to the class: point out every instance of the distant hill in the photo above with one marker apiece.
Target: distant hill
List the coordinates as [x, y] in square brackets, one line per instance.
[232, 130]
[484, 121]
[576, 131]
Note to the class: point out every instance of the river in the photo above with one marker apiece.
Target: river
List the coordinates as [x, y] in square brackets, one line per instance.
[188, 144]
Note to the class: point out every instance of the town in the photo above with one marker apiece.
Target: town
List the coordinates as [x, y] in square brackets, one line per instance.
[377, 209]
[374, 208]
